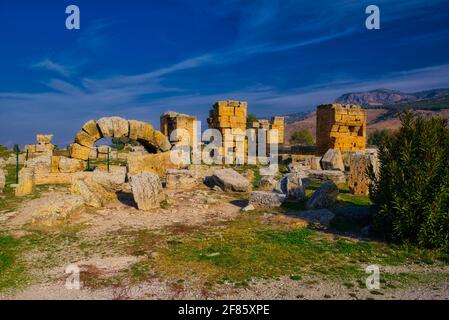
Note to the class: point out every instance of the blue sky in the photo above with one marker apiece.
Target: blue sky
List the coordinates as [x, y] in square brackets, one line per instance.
[137, 59]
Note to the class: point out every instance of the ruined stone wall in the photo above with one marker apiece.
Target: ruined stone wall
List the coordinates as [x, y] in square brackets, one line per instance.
[229, 117]
[341, 127]
[44, 147]
[170, 121]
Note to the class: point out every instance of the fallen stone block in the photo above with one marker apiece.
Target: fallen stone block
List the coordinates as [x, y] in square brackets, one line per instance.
[146, 189]
[92, 193]
[292, 186]
[157, 163]
[181, 179]
[229, 180]
[335, 176]
[58, 211]
[324, 197]
[268, 183]
[332, 160]
[266, 200]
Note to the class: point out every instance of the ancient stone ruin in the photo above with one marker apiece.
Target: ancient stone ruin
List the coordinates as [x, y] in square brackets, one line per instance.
[116, 127]
[340, 127]
[44, 147]
[171, 121]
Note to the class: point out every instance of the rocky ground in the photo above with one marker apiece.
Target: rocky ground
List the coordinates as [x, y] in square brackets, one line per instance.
[119, 259]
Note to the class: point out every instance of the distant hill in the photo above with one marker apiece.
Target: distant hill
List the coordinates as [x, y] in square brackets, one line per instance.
[435, 99]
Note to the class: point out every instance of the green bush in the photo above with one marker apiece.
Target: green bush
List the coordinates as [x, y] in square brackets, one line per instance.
[412, 189]
[303, 137]
[377, 137]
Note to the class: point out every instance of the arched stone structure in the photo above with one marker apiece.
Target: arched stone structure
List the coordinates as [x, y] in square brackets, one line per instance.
[116, 127]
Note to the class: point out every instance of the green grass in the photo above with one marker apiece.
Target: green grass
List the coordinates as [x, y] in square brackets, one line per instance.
[249, 249]
[12, 270]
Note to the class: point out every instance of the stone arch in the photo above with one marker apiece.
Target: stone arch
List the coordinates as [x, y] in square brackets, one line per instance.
[116, 127]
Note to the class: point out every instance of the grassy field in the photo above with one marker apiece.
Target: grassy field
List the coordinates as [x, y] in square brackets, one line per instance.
[236, 252]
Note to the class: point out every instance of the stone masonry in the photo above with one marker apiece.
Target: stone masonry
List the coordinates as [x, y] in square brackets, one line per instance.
[170, 121]
[341, 127]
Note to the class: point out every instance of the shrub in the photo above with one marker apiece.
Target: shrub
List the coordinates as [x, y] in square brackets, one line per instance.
[411, 191]
[302, 137]
[377, 137]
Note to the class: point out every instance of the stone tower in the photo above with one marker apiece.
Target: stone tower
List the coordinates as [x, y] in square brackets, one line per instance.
[340, 127]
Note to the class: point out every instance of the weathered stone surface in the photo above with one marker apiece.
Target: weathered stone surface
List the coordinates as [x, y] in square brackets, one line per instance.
[247, 208]
[2, 163]
[91, 128]
[324, 197]
[44, 138]
[92, 193]
[335, 176]
[42, 164]
[27, 183]
[161, 141]
[2, 180]
[53, 178]
[80, 152]
[55, 164]
[321, 216]
[268, 183]
[112, 180]
[265, 200]
[120, 126]
[332, 160]
[229, 180]
[106, 127]
[44, 149]
[358, 181]
[147, 189]
[58, 211]
[315, 163]
[181, 179]
[69, 165]
[291, 185]
[157, 163]
[84, 139]
[348, 156]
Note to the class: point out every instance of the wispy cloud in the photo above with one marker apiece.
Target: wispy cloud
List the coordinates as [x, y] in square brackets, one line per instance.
[50, 65]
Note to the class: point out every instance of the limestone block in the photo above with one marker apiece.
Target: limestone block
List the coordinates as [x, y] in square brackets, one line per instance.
[27, 183]
[120, 126]
[55, 164]
[92, 193]
[84, 139]
[147, 190]
[106, 127]
[335, 176]
[292, 186]
[41, 164]
[70, 165]
[156, 163]
[57, 212]
[181, 179]
[80, 152]
[324, 197]
[91, 128]
[332, 160]
[358, 180]
[266, 200]
[229, 180]
[44, 138]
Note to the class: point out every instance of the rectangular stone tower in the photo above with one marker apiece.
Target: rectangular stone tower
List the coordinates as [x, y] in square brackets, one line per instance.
[171, 121]
[340, 127]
